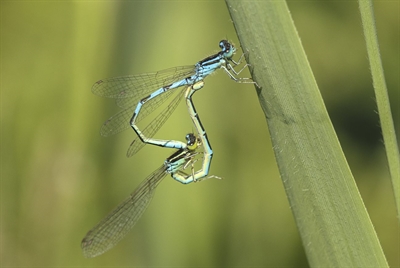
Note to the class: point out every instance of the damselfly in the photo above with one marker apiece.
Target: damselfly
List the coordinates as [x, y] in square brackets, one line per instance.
[139, 95]
[108, 232]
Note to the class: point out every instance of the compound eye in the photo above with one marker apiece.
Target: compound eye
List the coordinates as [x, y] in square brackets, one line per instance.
[221, 44]
[225, 45]
[191, 139]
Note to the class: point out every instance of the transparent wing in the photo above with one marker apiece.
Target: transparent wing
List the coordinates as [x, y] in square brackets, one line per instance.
[151, 129]
[129, 90]
[117, 123]
[107, 233]
[121, 120]
[135, 87]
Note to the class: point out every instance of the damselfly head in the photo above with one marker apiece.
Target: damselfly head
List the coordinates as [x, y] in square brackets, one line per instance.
[227, 48]
[192, 141]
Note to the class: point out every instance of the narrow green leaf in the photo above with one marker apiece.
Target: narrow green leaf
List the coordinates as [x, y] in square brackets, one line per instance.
[382, 97]
[333, 223]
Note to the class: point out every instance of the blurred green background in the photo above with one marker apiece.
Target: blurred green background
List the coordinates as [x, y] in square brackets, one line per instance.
[59, 177]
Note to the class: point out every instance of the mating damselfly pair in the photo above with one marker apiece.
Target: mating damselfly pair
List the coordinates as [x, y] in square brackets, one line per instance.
[138, 96]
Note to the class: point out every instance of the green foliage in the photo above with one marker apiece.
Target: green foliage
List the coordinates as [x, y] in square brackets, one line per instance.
[382, 97]
[332, 220]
